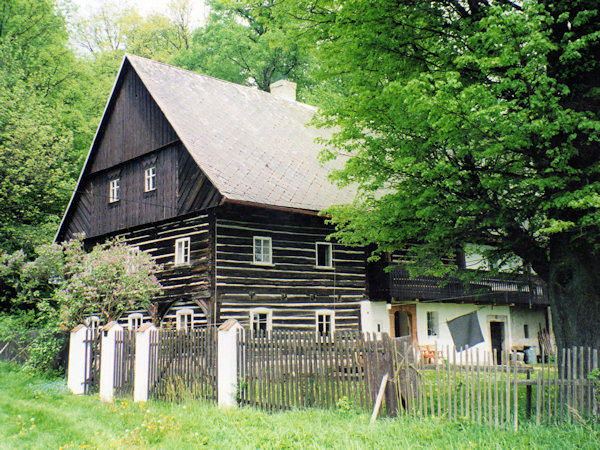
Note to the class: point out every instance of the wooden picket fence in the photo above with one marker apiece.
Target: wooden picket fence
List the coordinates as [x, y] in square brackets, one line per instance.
[469, 386]
[124, 363]
[183, 364]
[93, 340]
[298, 369]
[295, 369]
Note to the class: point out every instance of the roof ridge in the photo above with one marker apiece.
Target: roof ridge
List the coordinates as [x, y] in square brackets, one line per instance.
[192, 72]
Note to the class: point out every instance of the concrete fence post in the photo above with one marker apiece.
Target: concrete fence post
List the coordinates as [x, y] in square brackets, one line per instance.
[142, 362]
[227, 363]
[77, 360]
[107, 360]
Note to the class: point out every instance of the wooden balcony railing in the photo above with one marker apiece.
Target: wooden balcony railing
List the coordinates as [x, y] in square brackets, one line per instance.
[501, 289]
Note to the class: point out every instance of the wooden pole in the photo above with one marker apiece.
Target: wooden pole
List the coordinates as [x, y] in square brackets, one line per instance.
[379, 398]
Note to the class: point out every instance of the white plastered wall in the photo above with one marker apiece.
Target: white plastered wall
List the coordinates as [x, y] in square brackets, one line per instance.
[534, 318]
[449, 311]
[374, 317]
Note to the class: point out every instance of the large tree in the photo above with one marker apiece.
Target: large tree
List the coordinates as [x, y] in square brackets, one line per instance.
[471, 122]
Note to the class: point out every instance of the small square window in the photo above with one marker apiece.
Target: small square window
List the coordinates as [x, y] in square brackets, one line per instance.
[261, 321]
[150, 179]
[432, 324]
[182, 251]
[184, 319]
[114, 194]
[325, 323]
[134, 321]
[262, 250]
[324, 258]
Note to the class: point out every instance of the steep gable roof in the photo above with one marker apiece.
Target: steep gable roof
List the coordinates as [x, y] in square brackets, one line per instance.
[253, 146]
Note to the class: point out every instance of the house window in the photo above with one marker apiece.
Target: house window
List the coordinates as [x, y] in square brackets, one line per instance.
[184, 319]
[114, 191]
[134, 321]
[432, 324]
[93, 322]
[325, 321]
[526, 331]
[261, 321]
[323, 250]
[262, 250]
[182, 251]
[150, 179]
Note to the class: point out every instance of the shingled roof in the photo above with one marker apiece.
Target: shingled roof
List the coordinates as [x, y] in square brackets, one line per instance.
[252, 145]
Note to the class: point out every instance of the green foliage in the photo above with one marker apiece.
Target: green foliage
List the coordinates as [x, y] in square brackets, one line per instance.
[248, 42]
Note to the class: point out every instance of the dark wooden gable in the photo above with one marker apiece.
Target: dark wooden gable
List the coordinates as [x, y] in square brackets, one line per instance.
[134, 134]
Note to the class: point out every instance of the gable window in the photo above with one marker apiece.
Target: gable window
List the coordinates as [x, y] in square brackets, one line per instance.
[114, 193]
[262, 250]
[150, 179]
[261, 321]
[432, 324]
[134, 321]
[325, 322]
[323, 251]
[184, 319]
[182, 251]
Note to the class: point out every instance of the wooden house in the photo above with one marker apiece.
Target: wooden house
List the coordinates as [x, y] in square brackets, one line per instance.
[221, 184]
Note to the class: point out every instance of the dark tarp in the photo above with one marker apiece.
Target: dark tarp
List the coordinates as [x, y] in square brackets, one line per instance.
[465, 330]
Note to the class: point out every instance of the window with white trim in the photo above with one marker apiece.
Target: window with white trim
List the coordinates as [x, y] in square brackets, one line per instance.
[184, 319]
[325, 322]
[134, 321]
[433, 324]
[323, 254]
[182, 251]
[261, 321]
[263, 252]
[93, 322]
[114, 191]
[150, 179]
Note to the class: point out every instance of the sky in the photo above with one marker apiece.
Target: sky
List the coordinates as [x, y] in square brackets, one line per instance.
[145, 7]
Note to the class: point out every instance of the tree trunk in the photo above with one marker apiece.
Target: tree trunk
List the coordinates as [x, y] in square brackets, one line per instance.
[574, 288]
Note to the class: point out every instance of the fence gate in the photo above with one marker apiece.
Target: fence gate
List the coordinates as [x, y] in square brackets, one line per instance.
[124, 362]
[93, 339]
[183, 364]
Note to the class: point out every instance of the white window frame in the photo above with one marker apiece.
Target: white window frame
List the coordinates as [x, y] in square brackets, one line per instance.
[182, 251]
[253, 318]
[330, 253]
[325, 312]
[134, 321]
[150, 179]
[114, 190]
[93, 322]
[434, 329]
[262, 240]
[184, 319]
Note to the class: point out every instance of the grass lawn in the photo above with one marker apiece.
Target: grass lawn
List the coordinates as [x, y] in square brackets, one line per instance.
[40, 413]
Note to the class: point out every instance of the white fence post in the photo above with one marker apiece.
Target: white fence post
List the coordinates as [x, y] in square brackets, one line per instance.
[142, 362]
[107, 360]
[77, 360]
[227, 363]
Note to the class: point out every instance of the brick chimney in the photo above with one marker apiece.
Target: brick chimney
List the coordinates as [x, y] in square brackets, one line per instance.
[284, 89]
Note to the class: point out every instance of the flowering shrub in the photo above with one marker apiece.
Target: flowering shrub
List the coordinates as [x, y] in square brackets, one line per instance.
[108, 280]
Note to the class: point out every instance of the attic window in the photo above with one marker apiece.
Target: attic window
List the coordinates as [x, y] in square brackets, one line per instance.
[150, 179]
[114, 192]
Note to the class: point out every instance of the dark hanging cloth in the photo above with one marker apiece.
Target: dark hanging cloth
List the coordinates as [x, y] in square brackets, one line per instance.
[465, 330]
